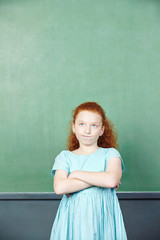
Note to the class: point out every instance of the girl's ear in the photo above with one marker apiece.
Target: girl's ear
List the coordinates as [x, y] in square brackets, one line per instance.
[73, 127]
[102, 130]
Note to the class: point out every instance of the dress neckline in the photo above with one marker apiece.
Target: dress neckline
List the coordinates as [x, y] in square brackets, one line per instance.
[82, 155]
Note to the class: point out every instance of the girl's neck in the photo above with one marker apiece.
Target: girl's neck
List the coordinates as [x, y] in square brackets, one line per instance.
[87, 149]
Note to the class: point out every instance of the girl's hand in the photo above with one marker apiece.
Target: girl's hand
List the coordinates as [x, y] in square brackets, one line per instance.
[117, 186]
[68, 194]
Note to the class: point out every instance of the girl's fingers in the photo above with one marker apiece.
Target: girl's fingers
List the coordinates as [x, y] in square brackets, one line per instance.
[118, 185]
[68, 194]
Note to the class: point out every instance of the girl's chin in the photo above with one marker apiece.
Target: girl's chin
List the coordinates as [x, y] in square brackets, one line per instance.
[87, 143]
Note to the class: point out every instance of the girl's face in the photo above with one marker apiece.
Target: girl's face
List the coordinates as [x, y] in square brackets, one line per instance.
[88, 127]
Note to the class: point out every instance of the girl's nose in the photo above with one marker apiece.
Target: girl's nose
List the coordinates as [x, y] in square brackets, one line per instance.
[87, 129]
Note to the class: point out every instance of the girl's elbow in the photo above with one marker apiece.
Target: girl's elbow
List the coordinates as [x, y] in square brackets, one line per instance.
[113, 182]
[114, 185]
[60, 187]
[110, 184]
[57, 189]
[58, 193]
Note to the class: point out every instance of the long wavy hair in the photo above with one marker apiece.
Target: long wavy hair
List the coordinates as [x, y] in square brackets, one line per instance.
[110, 135]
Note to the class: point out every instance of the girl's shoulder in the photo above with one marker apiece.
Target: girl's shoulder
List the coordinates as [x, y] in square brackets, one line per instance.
[113, 152]
[62, 154]
[62, 158]
[110, 150]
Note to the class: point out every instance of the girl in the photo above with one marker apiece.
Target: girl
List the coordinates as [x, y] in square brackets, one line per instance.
[87, 175]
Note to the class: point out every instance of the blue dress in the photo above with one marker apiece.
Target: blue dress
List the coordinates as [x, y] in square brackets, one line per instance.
[93, 213]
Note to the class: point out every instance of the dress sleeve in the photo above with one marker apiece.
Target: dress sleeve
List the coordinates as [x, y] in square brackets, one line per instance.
[115, 153]
[60, 163]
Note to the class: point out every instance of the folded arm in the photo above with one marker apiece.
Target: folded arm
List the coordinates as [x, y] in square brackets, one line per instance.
[78, 180]
[63, 184]
[108, 179]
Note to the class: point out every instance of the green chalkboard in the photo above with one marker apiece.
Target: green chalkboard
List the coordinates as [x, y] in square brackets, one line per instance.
[55, 55]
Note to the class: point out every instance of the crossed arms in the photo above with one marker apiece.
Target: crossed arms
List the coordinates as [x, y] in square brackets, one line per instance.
[78, 180]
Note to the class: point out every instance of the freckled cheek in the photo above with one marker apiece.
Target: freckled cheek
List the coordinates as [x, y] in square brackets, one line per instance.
[79, 133]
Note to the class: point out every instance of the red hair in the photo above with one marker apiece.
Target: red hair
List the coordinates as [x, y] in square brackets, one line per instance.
[110, 135]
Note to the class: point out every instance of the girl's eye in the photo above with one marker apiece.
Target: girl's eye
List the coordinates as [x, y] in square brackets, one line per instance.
[94, 125]
[81, 124]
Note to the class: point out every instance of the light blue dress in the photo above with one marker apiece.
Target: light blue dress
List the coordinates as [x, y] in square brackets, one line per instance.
[93, 213]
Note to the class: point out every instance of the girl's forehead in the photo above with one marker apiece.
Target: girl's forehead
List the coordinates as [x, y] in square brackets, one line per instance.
[88, 115]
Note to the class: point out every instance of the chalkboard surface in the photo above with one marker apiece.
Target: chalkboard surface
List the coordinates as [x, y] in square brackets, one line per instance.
[55, 55]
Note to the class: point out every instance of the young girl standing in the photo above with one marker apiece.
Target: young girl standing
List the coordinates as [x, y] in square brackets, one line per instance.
[87, 175]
